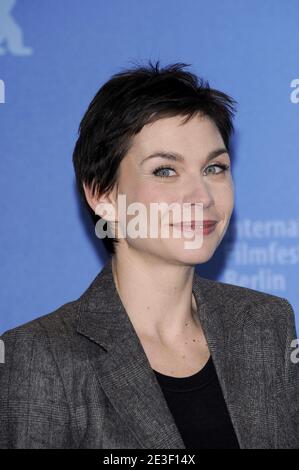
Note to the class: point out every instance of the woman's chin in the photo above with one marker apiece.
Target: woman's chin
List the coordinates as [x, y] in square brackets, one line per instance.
[192, 254]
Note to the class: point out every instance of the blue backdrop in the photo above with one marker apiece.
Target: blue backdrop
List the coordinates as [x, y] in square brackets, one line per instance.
[55, 54]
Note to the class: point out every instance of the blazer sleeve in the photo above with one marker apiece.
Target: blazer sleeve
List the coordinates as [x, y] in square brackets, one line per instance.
[292, 372]
[34, 412]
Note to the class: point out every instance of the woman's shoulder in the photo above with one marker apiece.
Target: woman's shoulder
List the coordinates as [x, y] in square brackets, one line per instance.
[42, 348]
[261, 305]
[57, 323]
[236, 290]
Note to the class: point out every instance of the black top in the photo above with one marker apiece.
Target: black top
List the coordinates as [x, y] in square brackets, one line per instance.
[199, 410]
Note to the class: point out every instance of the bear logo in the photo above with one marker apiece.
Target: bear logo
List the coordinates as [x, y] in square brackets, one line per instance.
[11, 34]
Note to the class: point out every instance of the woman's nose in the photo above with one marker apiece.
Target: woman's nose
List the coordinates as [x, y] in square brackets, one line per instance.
[198, 191]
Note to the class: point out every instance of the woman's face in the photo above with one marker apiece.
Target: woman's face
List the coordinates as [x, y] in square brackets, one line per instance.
[193, 180]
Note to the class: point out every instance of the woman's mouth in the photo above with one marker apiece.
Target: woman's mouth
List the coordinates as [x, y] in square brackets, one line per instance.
[207, 226]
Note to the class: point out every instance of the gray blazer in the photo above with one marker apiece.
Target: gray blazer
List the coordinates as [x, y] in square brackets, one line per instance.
[79, 377]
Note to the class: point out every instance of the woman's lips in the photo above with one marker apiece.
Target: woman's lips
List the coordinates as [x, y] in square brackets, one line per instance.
[207, 226]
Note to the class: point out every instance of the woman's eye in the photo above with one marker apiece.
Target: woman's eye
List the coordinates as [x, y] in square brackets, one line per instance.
[162, 171]
[223, 167]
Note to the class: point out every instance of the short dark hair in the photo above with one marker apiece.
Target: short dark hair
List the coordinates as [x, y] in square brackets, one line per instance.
[131, 99]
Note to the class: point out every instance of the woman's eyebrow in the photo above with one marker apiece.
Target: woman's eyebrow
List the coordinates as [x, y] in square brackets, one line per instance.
[175, 156]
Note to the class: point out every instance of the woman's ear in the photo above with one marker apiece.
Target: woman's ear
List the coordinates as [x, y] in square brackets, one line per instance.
[103, 205]
[89, 197]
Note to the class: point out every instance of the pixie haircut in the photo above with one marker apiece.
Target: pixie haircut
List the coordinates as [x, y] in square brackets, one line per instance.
[131, 99]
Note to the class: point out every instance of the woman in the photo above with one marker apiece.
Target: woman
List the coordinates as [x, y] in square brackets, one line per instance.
[152, 355]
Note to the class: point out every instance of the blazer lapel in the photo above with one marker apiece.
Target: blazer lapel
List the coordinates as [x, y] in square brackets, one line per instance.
[125, 373]
[237, 344]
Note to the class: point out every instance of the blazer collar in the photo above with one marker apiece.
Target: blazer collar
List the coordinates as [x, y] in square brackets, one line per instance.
[125, 373]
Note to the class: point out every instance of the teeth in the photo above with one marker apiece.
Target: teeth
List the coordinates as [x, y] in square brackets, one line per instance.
[192, 225]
